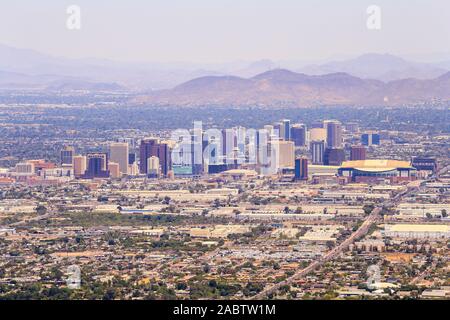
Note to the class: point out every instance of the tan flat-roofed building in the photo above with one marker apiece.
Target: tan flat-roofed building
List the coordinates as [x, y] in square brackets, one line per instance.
[375, 165]
[432, 231]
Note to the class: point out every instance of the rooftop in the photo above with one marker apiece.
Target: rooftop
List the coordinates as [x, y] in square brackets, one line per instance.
[419, 228]
[376, 164]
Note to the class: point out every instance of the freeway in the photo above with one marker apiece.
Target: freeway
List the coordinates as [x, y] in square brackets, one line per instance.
[361, 231]
[443, 170]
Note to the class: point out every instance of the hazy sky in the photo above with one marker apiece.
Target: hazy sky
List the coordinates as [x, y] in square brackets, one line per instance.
[224, 30]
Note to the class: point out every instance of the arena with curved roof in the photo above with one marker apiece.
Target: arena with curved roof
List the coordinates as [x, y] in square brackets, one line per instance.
[373, 170]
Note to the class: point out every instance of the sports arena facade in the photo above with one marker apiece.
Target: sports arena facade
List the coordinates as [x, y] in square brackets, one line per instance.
[377, 171]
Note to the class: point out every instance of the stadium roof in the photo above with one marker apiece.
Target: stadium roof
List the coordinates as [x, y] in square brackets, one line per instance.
[376, 165]
[240, 172]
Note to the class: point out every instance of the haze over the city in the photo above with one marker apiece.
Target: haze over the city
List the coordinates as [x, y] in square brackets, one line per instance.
[204, 31]
[262, 150]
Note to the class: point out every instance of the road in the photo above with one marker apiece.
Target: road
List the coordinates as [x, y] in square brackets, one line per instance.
[361, 231]
[443, 170]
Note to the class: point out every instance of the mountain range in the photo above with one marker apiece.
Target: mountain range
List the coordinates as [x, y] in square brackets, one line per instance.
[367, 79]
[282, 87]
[30, 69]
[384, 67]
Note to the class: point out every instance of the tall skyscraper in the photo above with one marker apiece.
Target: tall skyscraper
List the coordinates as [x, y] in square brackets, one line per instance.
[352, 127]
[153, 167]
[298, 135]
[185, 160]
[97, 165]
[369, 139]
[269, 129]
[241, 133]
[67, 155]
[283, 153]
[114, 170]
[197, 151]
[229, 141]
[131, 158]
[334, 156]
[358, 153]
[154, 147]
[301, 169]
[317, 134]
[286, 129]
[79, 165]
[334, 133]
[118, 153]
[317, 149]
[278, 130]
[317, 124]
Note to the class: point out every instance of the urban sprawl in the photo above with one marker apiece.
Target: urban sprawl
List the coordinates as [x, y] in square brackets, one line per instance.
[328, 210]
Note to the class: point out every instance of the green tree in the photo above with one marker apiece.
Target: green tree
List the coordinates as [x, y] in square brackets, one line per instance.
[40, 209]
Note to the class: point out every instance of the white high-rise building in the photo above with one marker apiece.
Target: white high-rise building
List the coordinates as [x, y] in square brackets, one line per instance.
[317, 152]
[79, 165]
[317, 134]
[153, 166]
[334, 133]
[283, 153]
[118, 153]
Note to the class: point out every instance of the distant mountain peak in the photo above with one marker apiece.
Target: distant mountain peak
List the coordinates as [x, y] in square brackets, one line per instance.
[385, 67]
[280, 75]
[281, 87]
[445, 76]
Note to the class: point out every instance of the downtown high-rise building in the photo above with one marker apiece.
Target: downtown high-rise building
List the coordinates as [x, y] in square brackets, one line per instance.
[358, 153]
[301, 169]
[197, 151]
[119, 153]
[66, 155]
[333, 156]
[131, 158]
[114, 170]
[298, 135]
[334, 133]
[96, 165]
[369, 139]
[282, 153]
[269, 129]
[286, 129]
[79, 166]
[154, 147]
[278, 130]
[317, 149]
[233, 138]
[153, 167]
[317, 134]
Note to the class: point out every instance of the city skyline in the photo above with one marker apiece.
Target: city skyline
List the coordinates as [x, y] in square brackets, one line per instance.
[254, 153]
